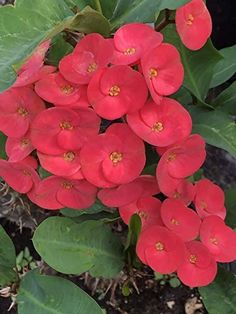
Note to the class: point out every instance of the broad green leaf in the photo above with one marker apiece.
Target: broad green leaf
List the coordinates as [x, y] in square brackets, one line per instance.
[97, 207]
[183, 96]
[226, 68]
[227, 100]
[73, 248]
[59, 48]
[34, 22]
[220, 296]
[198, 65]
[23, 27]
[3, 139]
[7, 258]
[140, 10]
[90, 21]
[230, 204]
[50, 294]
[123, 11]
[216, 127]
[106, 6]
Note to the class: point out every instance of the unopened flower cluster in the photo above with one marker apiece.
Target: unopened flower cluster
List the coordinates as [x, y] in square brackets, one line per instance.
[58, 115]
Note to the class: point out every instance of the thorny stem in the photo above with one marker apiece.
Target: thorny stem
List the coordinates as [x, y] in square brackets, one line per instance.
[166, 21]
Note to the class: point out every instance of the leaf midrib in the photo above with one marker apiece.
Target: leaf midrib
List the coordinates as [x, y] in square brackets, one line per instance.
[63, 244]
[36, 302]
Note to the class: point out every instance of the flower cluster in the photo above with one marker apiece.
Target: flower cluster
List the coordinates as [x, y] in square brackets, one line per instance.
[57, 117]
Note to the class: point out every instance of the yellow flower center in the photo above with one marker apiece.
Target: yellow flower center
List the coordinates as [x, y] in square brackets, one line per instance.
[24, 142]
[66, 125]
[67, 185]
[159, 246]
[214, 241]
[92, 67]
[129, 51]
[22, 112]
[116, 157]
[67, 89]
[142, 214]
[114, 91]
[171, 157]
[152, 73]
[69, 156]
[174, 222]
[190, 19]
[193, 259]
[157, 127]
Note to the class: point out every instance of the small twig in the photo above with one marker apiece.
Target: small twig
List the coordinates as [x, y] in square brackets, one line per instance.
[166, 21]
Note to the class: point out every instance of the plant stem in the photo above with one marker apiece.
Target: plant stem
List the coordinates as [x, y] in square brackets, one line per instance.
[166, 21]
[97, 5]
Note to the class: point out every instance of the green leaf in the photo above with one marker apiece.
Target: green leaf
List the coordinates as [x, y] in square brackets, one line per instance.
[220, 296]
[3, 139]
[230, 204]
[73, 248]
[216, 127]
[23, 27]
[183, 96]
[7, 258]
[135, 226]
[97, 207]
[227, 100]
[59, 48]
[48, 294]
[174, 282]
[143, 11]
[89, 21]
[123, 11]
[43, 173]
[198, 65]
[226, 68]
[34, 22]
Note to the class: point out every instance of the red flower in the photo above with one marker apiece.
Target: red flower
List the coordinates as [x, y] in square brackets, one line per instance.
[33, 68]
[148, 209]
[31, 76]
[65, 164]
[199, 267]
[30, 161]
[58, 192]
[55, 89]
[81, 102]
[124, 194]
[19, 148]
[116, 157]
[116, 91]
[162, 125]
[174, 188]
[160, 249]
[163, 70]
[18, 175]
[219, 239]
[209, 199]
[58, 129]
[92, 53]
[180, 219]
[132, 40]
[184, 158]
[194, 24]
[19, 106]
